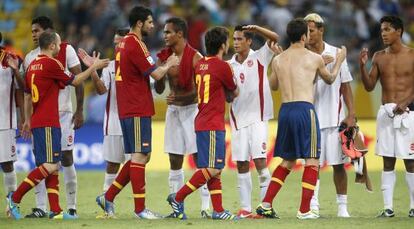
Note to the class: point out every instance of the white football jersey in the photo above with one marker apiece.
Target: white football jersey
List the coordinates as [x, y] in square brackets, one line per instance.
[254, 103]
[329, 104]
[111, 125]
[65, 101]
[8, 86]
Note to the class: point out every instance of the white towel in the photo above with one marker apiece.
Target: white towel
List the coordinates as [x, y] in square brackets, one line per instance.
[399, 121]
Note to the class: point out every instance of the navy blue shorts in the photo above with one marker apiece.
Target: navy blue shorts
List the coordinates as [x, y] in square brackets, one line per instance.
[211, 149]
[298, 133]
[137, 134]
[46, 145]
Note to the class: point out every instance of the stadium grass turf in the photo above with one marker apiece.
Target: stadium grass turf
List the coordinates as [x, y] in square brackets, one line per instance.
[363, 206]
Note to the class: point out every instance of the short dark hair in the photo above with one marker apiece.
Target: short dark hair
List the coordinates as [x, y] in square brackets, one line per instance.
[46, 39]
[394, 21]
[214, 38]
[247, 34]
[296, 28]
[122, 31]
[179, 25]
[138, 13]
[44, 22]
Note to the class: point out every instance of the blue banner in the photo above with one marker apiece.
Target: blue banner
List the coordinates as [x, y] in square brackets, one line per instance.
[87, 153]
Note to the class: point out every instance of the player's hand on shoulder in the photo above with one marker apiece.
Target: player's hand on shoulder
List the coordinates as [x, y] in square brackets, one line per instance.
[363, 56]
[327, 59]
[341, 54]
[173, 60]
[275, 47]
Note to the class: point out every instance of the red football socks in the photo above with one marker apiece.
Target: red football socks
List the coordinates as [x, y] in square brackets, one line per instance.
[137, 176]
[34, 177]
[121, 180]
[214, 186]
[52, 186]
[199, 178]
[309, 179]
[278, 179]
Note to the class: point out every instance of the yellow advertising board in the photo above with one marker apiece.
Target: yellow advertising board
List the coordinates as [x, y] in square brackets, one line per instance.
[159, 160]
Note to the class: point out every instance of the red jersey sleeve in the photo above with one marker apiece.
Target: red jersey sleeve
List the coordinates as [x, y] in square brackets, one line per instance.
[57, 72]
[141, 57]
[228, 76]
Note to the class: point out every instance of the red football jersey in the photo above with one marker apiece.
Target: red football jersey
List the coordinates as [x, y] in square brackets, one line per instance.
[133, 64]
[212, 77]
[44, 77]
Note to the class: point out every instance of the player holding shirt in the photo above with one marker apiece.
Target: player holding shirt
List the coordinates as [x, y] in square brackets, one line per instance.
[12, 97]
[213, 76]
[329, 100]
[250, 111]
[133, 66]
[180, 137]
[298, 133]
[45, 77]
[69, 121]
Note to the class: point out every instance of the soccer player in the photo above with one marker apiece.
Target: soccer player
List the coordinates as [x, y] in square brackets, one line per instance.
[179, 137]
[250, 111]
[12, 97]
[69, 121]
[45, 76]
[394, 68]
[113, 145]
[133, 66]
[298, 136]
[215, 84]
[329, 100]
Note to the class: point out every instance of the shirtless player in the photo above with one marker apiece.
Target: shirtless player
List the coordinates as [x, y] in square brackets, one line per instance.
[298, 134]
[394, 67]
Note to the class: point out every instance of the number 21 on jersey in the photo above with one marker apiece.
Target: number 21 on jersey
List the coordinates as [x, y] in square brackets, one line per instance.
[203, 82]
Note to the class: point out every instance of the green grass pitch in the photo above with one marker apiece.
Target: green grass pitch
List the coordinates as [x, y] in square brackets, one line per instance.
[363, 206]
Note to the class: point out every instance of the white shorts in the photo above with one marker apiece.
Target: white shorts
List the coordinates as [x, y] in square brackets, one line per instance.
[331, 150]
[68, 133]
[8, 145]
[391, 141]
[249, 142]
[113, 149]
[180, 137]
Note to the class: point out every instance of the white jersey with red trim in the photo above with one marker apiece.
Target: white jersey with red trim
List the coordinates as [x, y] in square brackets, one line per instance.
[71, 60]
[8, 85]
[254, 103]
[111, 125]
[329, 104]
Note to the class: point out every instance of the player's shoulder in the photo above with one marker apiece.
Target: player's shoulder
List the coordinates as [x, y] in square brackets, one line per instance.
[54, 61]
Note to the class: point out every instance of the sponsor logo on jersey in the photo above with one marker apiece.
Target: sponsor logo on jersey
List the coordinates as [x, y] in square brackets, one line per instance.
[250, 63]
[241, 77]
[70, 139]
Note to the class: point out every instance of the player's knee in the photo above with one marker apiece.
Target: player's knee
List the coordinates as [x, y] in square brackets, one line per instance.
[409, 166]
[7, 167]
[339, 168]
[51, 167]
[67, 158]
[214, 172]
[140, 158]
[243, 166]
[389, 163]
[260, 164]
[176, 161]
[112, 167]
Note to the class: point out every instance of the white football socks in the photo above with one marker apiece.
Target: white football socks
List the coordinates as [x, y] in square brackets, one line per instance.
[245, 190]
[387, 187]
[109, 179]
[10, 181]
[409, 178]
[69, 174]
